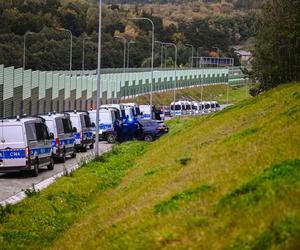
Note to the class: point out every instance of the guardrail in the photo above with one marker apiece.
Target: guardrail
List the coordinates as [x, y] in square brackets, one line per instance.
[34, 92]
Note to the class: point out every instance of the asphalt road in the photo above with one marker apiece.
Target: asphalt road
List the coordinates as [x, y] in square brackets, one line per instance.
[12, 183]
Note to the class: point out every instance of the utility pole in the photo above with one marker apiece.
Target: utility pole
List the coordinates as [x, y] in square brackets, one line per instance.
[124, 51]
[152, 55]
[24, 47]
[98, 79]
[71, 44]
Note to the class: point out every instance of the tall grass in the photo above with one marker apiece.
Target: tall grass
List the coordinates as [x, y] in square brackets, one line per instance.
[229, 180]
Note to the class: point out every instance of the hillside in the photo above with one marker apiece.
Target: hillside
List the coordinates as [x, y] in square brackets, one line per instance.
[209, 93]
[48, 45]
[229, 180]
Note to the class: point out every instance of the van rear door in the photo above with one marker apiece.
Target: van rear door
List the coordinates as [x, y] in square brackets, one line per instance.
[12, 146]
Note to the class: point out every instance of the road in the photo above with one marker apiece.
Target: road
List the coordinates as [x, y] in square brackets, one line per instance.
[13, 183]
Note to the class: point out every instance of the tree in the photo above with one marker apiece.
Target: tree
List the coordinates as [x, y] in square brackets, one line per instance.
[276, 55]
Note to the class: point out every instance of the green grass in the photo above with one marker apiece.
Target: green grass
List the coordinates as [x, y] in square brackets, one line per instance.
[210, 93]
[228, 180]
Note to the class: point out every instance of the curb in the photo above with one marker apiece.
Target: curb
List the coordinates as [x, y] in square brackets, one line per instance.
[16, 198]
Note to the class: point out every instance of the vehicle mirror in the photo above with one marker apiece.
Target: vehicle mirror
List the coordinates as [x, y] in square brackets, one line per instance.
[74, 130]
[51, 136]
[93, 125]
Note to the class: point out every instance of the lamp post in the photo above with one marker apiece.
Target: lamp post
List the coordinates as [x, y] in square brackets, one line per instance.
[83, 47]
[161, 52]
[98, 78]
[152, 55]
[71, 43]
[124, 52]
[192, 61]
[175, 81]
[24, 48]
[128, 50]
[198, 61]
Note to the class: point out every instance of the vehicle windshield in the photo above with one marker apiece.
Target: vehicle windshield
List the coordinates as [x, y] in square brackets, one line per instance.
[11, 134]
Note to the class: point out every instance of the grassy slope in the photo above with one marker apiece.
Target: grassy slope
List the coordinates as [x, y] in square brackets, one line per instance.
[230, 180]
[214, 92]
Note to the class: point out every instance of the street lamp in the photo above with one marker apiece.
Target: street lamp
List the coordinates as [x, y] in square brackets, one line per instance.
[175, 81]
[24, 47]
[124, 56]
[83, 46]
[192, 61]
[128, 50]
[98, 78]
[152, 54]
[161, 53]
[198, 61]
[71, 43]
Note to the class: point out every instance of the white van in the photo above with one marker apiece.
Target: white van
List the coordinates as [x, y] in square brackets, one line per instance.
[119, 107]
[146, 111]
[64, 142]
[136, 109]
[84, 135]
[107, 117]
[25, 144]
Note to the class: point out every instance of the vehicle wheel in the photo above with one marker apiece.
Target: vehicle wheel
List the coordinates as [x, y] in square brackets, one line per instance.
[149, 138]
[35, 171]
[51, 165]
[84, 148]
[92, 146]
[73, 155]
[111, 138]
[63, 157]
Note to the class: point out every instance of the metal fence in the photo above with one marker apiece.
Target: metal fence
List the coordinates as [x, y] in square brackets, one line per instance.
[36, 92]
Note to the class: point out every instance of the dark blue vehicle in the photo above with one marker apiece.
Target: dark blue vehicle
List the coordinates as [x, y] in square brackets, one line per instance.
[139, 129]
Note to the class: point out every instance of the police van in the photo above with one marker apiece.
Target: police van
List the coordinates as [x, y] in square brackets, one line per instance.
[25, 144]
[63, 143]
[84, 135]
[107, 118]
[119, 107]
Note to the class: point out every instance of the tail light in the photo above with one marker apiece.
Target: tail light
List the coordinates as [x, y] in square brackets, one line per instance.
[57, 142]
[81, 135]
[27, 152]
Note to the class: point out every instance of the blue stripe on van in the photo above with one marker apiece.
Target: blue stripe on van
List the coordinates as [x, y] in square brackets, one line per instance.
[40, 151]
[12, 154]
[63, 142]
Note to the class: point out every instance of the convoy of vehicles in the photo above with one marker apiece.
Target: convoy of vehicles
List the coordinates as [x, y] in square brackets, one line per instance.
[29, 143]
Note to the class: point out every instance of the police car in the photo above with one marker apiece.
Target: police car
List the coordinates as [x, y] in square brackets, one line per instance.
[84, 135]
[25, 144]
[63, 143]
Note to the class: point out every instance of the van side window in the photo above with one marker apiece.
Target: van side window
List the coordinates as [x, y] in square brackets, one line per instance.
[67, 125]
[40, 133]
[82, 121]
[59, 125]
[87, 121]
[30, 132]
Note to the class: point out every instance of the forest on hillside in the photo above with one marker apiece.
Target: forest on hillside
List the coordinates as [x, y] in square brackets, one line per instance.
[47, 46]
